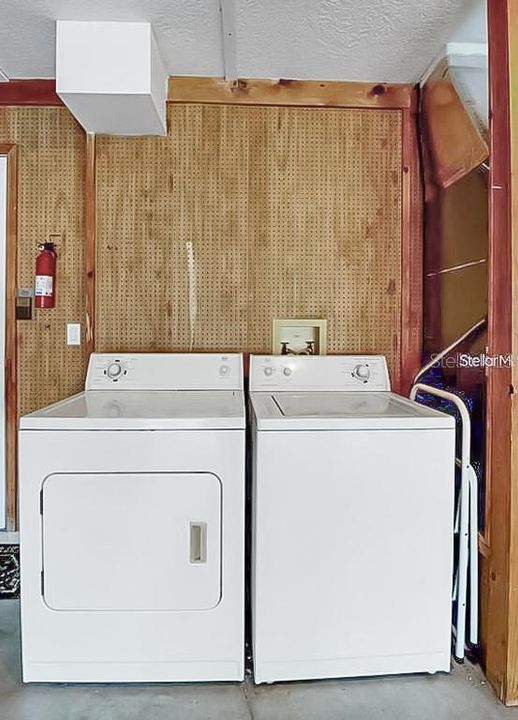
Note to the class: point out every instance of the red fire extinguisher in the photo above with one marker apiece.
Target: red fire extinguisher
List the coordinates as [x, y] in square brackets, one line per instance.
[45, 280]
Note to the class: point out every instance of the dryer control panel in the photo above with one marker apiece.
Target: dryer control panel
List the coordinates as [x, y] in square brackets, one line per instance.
[318, 372]
[165, 371]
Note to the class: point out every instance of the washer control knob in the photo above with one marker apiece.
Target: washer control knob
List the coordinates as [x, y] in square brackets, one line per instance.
[362, 372]
[287, 371]
[224, 370]
[114, 370]
[268, 371]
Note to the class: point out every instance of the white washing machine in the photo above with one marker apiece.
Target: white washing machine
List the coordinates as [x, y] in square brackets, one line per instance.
[352, 522]
[132, 524]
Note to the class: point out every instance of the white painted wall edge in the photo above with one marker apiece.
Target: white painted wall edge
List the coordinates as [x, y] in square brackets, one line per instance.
[459, 54]
[466, 48]
[468, 61]
[467, 55]
[229, 40]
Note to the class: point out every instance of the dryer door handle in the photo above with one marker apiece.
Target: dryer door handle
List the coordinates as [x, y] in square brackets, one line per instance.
[198, 542]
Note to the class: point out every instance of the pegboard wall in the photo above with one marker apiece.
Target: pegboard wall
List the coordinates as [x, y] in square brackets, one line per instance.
[244, 214]
[51, 159]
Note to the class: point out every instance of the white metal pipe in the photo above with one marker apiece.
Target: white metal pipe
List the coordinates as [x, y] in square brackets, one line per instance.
[457, 514]
[437, 358]
[473, 555]
[456, 524]
[455, 590]
[464, 509]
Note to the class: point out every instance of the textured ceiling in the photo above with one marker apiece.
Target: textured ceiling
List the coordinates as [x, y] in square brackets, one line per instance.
[378, 40]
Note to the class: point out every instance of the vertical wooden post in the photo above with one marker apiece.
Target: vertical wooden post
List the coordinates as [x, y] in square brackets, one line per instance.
[511, 683]
[511, 687]
[90, 226]
[411, 250]
[10, 377]
[500, 563]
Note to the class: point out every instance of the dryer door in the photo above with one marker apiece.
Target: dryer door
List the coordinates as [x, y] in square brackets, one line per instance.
[131, 541]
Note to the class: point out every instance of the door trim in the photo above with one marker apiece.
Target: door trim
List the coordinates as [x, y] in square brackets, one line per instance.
[499, 598]
[10, 378]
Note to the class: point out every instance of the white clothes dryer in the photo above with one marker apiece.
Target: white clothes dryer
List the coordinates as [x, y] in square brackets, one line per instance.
[132, 524]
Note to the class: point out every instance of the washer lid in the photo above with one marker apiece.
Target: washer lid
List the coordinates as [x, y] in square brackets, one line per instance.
[343, 411]
[142, 410]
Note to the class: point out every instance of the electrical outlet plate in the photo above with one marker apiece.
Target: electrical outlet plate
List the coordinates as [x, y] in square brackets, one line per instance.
[297, 334]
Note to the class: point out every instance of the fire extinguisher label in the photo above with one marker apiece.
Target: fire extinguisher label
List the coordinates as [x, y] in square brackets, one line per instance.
[43, 286]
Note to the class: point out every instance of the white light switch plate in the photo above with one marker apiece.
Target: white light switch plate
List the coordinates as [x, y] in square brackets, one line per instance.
[73, 333]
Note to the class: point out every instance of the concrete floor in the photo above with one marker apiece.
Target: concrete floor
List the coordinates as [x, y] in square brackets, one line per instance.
[463, 695]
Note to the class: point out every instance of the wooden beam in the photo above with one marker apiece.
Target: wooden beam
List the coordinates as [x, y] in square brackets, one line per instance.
[411, 250]
[499, 630]
[310, 93]
[512, 655]
[10, 374]
[90, 249]
[29, 92]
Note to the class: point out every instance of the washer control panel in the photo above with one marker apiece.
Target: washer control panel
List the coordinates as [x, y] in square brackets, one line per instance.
[362, 372]
[319, 372]
[165, 371]
[115, 371]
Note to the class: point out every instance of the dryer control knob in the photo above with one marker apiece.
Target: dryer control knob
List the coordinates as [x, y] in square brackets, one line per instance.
[287, 371]
[268, 371]
[224, 370]
[362, 372]
[114, 371]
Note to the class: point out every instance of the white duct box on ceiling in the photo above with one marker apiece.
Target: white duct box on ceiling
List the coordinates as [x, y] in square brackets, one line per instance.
[468, 64]
[111, 77]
